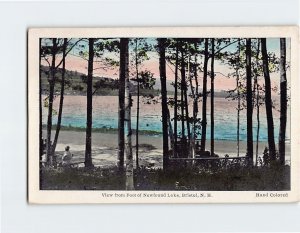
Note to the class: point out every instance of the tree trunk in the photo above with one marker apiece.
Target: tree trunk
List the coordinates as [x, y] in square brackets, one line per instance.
[195, 103]
[61, 101]
[164, 106]
[175, 103]
[89, 107]
[182, 97]
[257, 102]
[192, 136]
[137, 107]
[212, 78]
[186, 106]
[122, 74]
[268, 100]
[40, 104]
[238, 117]
[128, 130]
[41, 140]
[50, 106]
[258, 123]
[204, 121]
[239, 99]
[283, 101]
[249, 102]
[128, 135]
[170, 129]
[184, 110]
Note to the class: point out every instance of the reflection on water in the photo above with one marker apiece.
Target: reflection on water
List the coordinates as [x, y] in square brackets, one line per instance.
[105, 114]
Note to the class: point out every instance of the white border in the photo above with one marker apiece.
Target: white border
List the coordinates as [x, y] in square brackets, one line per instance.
[42, 196]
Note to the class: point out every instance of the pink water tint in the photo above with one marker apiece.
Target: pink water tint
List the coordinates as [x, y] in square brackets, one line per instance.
[105, 115]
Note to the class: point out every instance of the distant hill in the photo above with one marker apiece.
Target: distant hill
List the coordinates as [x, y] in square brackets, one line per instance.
[75, 85]
[170, 87]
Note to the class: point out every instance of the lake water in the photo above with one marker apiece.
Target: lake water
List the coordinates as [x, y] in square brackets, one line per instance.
[105, 114]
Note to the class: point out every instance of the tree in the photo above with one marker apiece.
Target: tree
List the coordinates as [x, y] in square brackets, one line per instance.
[128, 103]
[50, 52]
[89, 109]
[249, 102]
[61, 102]
[122, 74]
[143, 79]
[138, 103]
[283, 101]
[192, 71]
[268, 100]
[182, 105]
[240, 92]
[257, 99]
[41, 143]
[204, 98]
[212, 77]
[196, 120]
[239, 99]
[188, 48]
[184, 101]
[51, 81]
[233, 59]
[186, 106]
[175, 101]
[162, 71]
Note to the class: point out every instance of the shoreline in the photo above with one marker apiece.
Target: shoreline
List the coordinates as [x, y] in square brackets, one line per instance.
[107, 130]
[150, 133]
[105, 147]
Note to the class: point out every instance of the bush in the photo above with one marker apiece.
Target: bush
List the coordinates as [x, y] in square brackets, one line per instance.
[232, 178]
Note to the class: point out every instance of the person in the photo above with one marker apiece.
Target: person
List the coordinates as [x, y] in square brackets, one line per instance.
[44, 160]
[67, 157]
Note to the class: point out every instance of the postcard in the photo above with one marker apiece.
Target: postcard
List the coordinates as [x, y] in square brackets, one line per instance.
[163, 115]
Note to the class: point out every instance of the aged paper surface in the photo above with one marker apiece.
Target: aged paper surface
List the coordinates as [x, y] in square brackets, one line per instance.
[209, 179]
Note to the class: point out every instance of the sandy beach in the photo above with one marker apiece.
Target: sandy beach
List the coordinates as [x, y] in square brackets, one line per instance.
[105, 148]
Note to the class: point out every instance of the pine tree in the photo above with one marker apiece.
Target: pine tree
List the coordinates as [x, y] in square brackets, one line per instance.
[268, 100]
[162, 71]
[89, 107]
[249, 102]
[283, 100]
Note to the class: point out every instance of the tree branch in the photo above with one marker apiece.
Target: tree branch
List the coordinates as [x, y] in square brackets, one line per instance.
[96, 89]
[224, 47]
[47, 61]
[68, 52]
[222, 74]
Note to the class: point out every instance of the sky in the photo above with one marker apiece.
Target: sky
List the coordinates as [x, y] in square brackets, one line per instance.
[76, 63]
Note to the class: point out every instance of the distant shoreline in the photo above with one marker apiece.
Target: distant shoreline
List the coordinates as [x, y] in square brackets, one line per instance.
[108, 130]
[153, 133]
[154, 92]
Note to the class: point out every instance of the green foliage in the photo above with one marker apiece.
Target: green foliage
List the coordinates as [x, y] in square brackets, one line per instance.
[106, 45]
[139, 52]
[82, 179]
[234, 178]
[145, 80]
[83, 78]
[106, 83]
[77, 87]
[46, 105]
[230, 179]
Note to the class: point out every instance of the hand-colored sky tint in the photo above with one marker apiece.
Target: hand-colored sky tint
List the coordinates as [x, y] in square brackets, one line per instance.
[76, 63]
